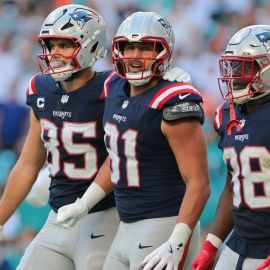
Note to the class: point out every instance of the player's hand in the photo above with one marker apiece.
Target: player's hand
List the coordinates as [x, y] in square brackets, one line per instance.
[168, 256]
[69, 214]
[206, 258]
[177, 74]
[265, 265]
[1, 232]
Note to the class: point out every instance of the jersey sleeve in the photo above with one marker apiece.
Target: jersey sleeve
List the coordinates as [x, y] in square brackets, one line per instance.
[105, 91]
[34, 92]
[175, 93]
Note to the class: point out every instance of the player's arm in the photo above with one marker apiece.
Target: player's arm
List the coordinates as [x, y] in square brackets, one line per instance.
[222, 226]
[25, 171]
[188, 143]
[68, 215]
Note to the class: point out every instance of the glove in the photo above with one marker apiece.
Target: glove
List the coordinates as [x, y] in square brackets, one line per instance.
[264, 265]
[177, 74]
[206, 258]
[169, 254]
[1, 232]
[69, 214]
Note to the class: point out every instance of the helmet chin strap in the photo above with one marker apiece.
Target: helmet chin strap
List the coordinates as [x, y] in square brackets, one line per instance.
[233, 123]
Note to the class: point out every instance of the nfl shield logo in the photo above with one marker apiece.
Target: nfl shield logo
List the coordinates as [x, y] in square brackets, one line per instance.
[64, 98]
[125, 104]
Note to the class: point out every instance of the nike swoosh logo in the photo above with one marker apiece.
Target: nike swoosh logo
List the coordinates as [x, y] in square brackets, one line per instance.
[170, 250]
[141, 246]
[183, 96]
[96, 236]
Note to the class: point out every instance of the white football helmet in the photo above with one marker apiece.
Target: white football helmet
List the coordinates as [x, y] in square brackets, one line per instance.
[143, 27]
[83, 26]
[245, 65]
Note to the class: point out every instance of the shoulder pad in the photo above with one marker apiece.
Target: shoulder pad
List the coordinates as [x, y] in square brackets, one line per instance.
[175, 93]
[183, 110]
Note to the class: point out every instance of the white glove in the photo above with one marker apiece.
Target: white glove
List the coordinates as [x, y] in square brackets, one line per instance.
[170, 253]
[1, 232]
[177, 74]
[69, 214]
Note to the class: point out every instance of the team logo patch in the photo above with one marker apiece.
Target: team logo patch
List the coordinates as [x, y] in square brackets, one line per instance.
[265, 39]
[186, 107]
[83, 16]
[64, 98]
[125, 104]
[242, 122]
[40, 103]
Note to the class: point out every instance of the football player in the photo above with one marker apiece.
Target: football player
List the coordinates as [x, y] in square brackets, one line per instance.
[157, 151]
[66, 130]
[242, 123]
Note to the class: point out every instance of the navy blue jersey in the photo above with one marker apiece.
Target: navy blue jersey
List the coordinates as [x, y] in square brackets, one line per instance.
[147, 180]
[247, 156]
[73, 135]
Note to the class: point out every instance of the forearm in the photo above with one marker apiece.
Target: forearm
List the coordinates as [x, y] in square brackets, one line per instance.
[193, 203]
[223, 221]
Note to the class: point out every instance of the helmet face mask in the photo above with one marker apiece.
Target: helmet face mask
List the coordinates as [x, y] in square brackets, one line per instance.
[80, 25]
[151, 64]
[237, 77]
[147, 29]
[245, 65]
[54, 63]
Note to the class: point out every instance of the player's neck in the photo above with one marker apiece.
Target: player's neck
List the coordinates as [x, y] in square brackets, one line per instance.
[78, 79]
[136, 90]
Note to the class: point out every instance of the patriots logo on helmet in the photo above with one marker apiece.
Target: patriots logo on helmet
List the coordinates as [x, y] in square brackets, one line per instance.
[265, 39]
[82, 17]
[166, 25]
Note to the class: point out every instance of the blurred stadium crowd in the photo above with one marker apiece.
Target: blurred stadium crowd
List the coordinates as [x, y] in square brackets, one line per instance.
[202, 29]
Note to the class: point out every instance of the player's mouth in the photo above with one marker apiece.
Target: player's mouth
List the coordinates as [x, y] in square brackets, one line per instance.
[57, 64]
[239, 84]
[136, 67]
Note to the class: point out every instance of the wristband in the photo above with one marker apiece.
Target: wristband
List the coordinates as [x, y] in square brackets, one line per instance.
[93, 195]
[214, 240]
[180, 234]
